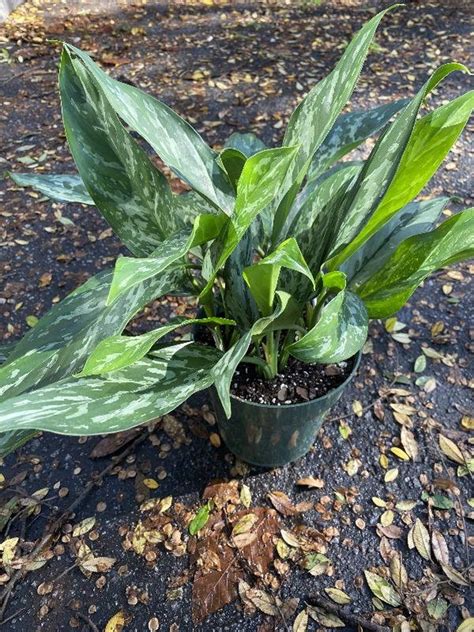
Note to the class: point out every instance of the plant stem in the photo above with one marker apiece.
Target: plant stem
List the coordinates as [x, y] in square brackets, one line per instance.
[270, 348]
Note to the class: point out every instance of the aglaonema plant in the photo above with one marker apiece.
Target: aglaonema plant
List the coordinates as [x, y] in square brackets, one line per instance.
[289, 250]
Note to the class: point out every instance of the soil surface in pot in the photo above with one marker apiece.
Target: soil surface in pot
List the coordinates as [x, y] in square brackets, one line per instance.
[297, 383]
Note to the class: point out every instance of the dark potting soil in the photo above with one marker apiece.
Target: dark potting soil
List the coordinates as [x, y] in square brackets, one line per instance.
[297, 383]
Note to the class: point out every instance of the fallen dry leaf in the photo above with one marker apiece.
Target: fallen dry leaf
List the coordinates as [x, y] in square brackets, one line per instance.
[300, 624]
[440, 548]
[116, 623]
[421, 539]
[409, 443]
[451, 450]
[310, 481]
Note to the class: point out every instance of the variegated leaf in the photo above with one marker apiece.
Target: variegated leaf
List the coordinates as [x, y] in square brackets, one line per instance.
[414, 259]
[262, 277]
[263, 179]
[131, 271]
[61, 341]
[318, 219]
[432, 138]
[64, 187]
[232, 162]
[98, 405]
[379, 172]
[414, 219]
[130, 192]
[14, 439]
[247, 143]
[237, 297]
[173, 139]
[314, 117]
[340, 332]
[117, 352]
[349, 131]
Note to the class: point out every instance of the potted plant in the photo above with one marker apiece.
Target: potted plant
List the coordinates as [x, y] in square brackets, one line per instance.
[289, 251]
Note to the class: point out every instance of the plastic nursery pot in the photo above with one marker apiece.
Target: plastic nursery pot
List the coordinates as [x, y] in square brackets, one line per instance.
[271, 435]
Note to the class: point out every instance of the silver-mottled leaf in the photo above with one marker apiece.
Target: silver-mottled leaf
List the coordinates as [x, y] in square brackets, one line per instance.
[340, 332]
[432, 138]
[97, 405]
[64, 187]
[414, 259]
[248, 143]
[414, 219]
[130, 271]
[117, 352]
[314, 117]
[263, 179]
[349, 131]
[130, 192]
[379, 171]
[174, 140]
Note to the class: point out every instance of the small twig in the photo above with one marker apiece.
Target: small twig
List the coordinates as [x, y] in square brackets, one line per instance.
[58, 523]
[86, 619]
[346, 615]
[13, 616]
[65, 572]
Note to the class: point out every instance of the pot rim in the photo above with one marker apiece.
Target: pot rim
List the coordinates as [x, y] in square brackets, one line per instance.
[357, 358]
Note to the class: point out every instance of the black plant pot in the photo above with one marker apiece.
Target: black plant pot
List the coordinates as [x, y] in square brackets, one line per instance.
[270, 435]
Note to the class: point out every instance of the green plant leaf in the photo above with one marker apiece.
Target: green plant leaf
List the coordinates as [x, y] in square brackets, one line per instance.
[130, 271]
[382, 589]
[317, 194]
[263, 178]
[314, 117]
[232, 162]
[5, 350]
[130, 192]
[262, 277]
[414, 219]
[224, 370]
[340, 332]
[348, 132]
[117, 352]
[64, 337]
[64, 188]
[14, 439]
[413, 260]
[173, 139]
[318, 217]
[200, 519]
[432, 137]
[238, 300]
[379, 172]
[247, 143]
[127, 398]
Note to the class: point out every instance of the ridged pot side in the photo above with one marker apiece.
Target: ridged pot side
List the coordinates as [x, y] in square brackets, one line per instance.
[270, 435]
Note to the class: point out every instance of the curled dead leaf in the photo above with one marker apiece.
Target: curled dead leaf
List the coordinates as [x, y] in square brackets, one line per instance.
[310, 481]
[409, 443]
[83, 527]
[325, 618]
[263, 601]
